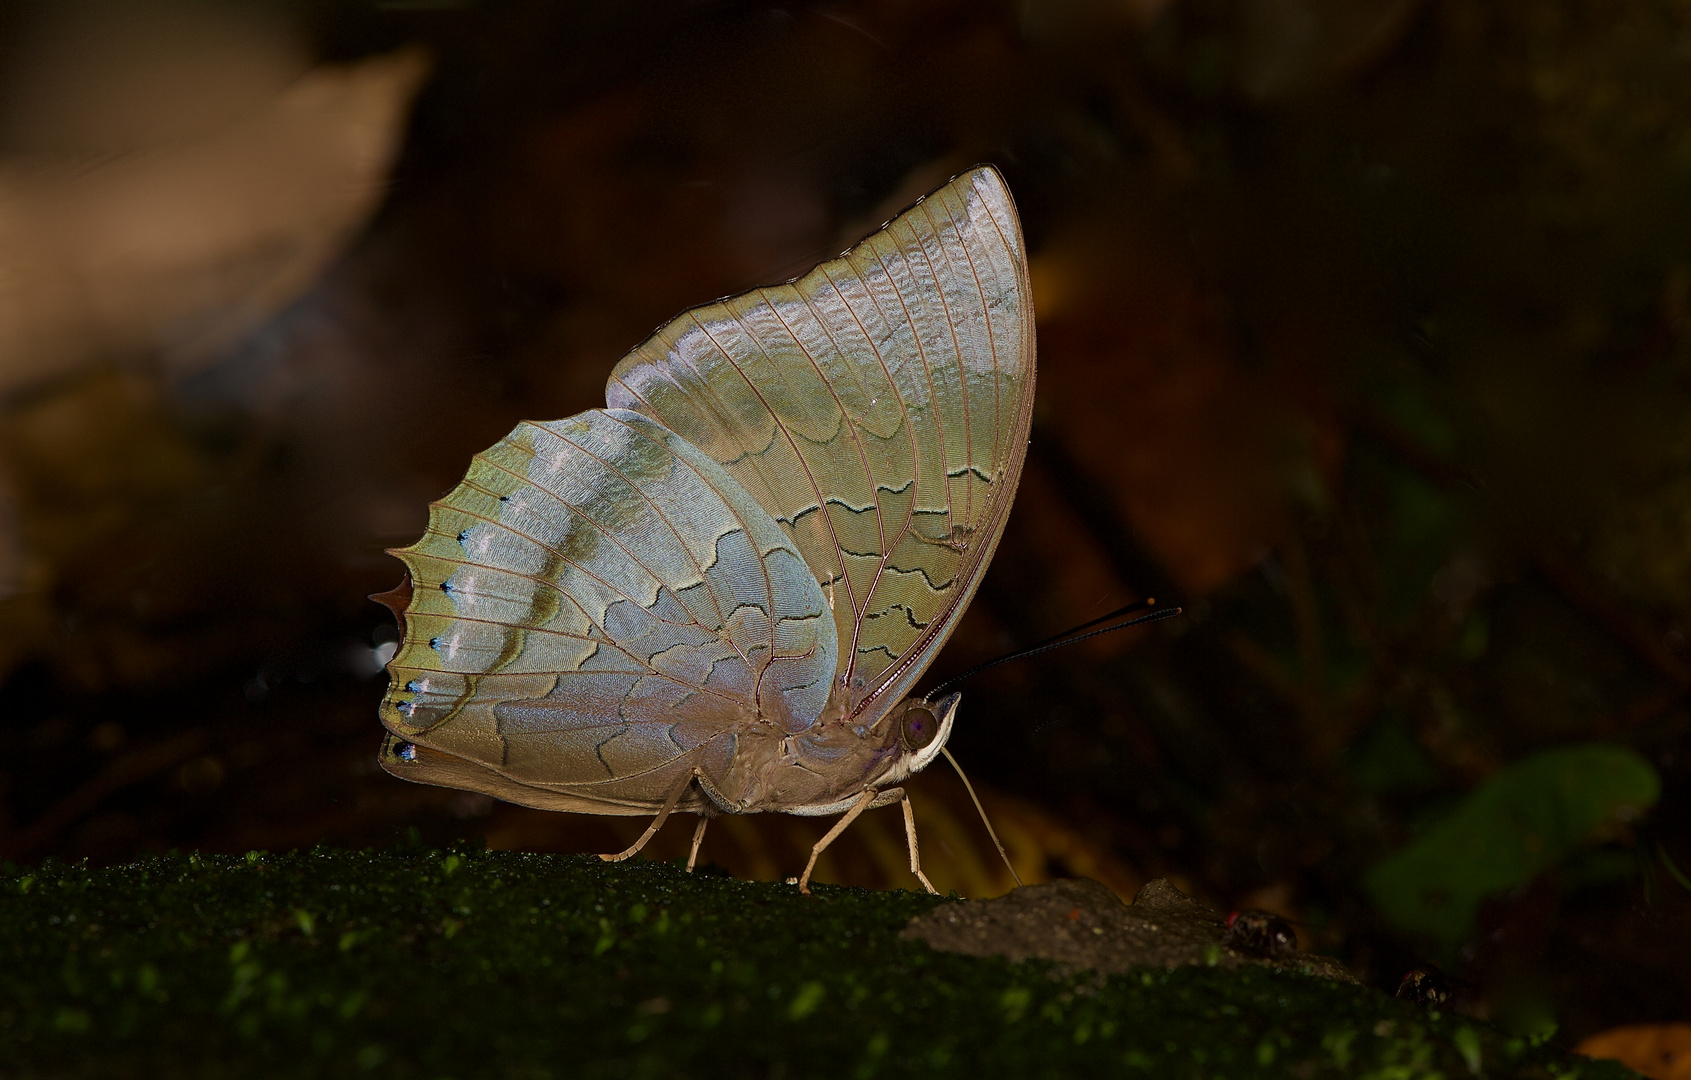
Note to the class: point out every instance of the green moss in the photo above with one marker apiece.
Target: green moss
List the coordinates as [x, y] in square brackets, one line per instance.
[463, 963]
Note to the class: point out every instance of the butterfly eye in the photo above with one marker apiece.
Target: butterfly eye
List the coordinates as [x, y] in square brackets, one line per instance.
[920, 727]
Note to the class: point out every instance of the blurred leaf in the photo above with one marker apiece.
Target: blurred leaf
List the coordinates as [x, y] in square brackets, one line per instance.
[1599, 866]
[1476, 635]
[1424, 531]
[1516, 825]
[1401, 397]
[1659, 1051]
[1389, 759]
[1643, 537]
[1671, 867]
[185, 248]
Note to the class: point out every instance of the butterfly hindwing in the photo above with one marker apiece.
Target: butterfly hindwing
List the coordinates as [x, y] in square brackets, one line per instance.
[596, 602]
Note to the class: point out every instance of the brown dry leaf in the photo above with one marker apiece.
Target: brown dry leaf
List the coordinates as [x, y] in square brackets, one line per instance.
[1079, 585]
[1288, 46]
[1139, 382]
[103, 77]
[1282, 49]
[1659, 1051]
[180, 249]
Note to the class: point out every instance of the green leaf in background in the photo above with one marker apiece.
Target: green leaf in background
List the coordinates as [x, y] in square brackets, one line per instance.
[1388, 759]
[1516, 825]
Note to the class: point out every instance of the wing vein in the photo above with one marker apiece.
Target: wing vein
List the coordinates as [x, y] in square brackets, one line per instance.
[810, 476]
[762, 565]
[868, 474]
[562, 558]
[561, 501]
[859, 617]
[680, 541]
[986, 316]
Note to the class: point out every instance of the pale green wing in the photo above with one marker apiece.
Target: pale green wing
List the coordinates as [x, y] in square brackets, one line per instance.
[596, 602]
[878, 409]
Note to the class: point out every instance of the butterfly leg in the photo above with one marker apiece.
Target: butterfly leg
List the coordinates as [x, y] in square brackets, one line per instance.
[915, 853]
[833, 834]
[657, 822]
[698, 838]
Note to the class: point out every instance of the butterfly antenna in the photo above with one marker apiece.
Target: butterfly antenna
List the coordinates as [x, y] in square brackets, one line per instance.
[1067, 637]
[982, 811]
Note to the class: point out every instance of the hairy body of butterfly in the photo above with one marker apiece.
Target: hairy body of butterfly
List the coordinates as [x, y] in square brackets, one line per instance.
[715, 594]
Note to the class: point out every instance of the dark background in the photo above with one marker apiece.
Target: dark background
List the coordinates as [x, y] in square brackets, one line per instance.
[1360, 336]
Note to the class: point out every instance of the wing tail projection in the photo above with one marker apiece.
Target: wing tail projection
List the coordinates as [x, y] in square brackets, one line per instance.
[592, 605]
[878, 409]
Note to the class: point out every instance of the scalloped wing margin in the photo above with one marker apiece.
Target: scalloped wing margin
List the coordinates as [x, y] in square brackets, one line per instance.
[598, 607]
[878, 409]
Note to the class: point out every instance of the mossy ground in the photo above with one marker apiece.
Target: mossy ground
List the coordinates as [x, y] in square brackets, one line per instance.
[465, 963]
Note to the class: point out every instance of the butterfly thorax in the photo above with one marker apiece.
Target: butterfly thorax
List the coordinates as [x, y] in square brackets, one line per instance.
[818, 770]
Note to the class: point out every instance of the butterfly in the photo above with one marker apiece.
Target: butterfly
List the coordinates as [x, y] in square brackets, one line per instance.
[715, 594]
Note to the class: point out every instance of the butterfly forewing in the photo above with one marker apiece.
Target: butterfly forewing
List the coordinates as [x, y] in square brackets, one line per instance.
[594, 606]
[878, 409]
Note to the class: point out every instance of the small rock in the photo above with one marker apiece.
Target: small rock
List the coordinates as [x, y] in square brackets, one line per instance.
[1082, 925]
